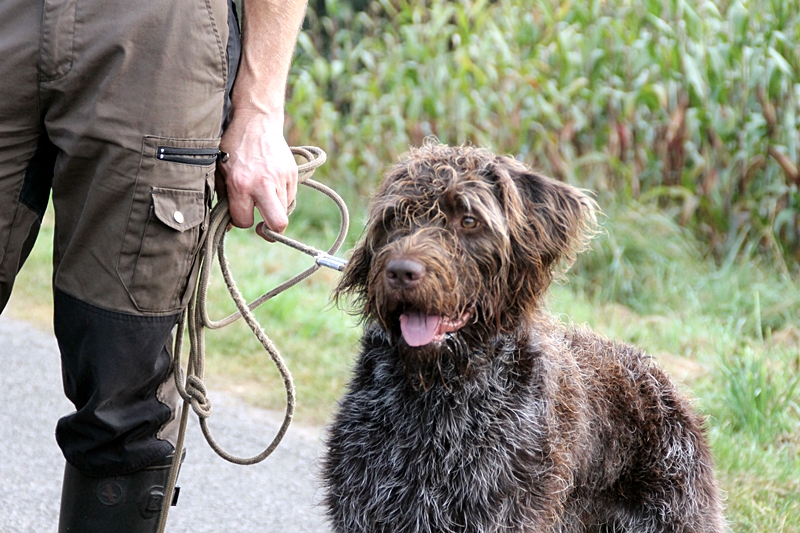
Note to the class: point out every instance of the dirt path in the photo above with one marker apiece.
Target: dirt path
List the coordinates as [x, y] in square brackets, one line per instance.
[279, 495]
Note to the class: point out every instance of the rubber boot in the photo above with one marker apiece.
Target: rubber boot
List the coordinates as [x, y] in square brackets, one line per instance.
[121, 504]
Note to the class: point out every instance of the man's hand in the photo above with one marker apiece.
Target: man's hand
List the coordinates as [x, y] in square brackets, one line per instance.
[261, 171]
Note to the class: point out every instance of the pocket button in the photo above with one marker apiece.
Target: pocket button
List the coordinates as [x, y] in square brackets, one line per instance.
[178, 216]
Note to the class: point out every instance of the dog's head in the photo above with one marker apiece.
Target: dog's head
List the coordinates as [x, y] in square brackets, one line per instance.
[462, 242]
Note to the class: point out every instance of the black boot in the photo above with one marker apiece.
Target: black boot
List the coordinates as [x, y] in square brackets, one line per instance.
[121, 504]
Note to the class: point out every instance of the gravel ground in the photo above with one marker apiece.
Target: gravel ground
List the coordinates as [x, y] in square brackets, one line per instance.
[278, 495]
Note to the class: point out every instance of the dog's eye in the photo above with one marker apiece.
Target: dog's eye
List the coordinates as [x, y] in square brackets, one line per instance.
[469, 222]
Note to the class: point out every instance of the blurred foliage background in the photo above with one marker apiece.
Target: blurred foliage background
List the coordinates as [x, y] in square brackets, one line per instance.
[685, 104]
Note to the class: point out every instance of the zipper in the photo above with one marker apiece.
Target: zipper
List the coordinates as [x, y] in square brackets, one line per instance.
[189, 156]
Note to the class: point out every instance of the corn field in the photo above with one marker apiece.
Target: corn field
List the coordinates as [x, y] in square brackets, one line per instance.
[687, 104]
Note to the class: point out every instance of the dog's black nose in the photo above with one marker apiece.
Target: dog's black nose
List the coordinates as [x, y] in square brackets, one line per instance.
[404, 273]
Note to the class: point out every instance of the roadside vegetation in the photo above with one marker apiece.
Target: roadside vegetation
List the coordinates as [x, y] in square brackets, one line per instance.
[680, 115]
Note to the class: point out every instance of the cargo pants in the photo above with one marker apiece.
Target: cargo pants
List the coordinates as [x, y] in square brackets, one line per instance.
[116, 106]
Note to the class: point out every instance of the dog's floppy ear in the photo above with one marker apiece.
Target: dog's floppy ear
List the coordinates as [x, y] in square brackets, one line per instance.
[550, 222]
[356, 274]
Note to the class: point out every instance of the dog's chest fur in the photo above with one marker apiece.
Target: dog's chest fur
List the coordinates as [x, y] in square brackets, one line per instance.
[481, 448]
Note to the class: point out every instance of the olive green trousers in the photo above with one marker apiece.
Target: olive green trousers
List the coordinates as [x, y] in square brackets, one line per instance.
[115, 108]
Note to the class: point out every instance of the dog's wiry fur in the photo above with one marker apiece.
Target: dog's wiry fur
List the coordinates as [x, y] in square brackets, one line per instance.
[508, 421]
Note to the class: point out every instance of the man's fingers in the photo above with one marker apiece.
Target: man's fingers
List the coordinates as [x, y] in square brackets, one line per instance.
[272, 201]
[241, 209]
[291, 192]
[273, 206]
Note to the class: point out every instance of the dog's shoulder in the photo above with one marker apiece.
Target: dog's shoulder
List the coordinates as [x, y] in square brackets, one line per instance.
[595, 349]
[628, 378]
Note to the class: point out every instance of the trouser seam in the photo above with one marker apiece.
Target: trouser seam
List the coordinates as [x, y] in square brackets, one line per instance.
[10, 231]
[222, 54]
[116, 314]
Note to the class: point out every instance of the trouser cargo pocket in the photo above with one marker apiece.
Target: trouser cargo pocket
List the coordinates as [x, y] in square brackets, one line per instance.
[167, 220]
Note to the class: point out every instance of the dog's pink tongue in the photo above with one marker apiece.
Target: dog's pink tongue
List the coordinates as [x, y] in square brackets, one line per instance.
[419, 329]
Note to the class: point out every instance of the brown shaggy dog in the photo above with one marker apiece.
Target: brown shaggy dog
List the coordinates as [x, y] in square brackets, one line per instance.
[471, 409]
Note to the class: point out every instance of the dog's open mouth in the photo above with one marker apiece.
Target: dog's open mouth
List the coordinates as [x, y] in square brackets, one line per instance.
[419, 329]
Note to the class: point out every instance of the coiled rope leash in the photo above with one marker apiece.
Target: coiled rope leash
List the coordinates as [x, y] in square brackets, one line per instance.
[193, 391]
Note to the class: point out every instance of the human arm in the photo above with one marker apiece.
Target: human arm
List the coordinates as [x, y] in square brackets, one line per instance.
[261, 171]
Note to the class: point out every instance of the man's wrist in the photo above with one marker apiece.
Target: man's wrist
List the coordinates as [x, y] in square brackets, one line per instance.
[249, 109]
[251, 99]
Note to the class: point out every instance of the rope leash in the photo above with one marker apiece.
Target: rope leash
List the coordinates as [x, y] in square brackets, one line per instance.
[191, 387]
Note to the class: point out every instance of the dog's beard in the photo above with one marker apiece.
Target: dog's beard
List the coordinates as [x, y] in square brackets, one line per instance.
[447, 362]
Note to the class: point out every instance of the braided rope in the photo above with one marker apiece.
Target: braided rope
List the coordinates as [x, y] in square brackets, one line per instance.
[191, 387]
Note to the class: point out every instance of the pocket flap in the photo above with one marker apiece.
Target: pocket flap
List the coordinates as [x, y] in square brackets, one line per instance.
[178, 208]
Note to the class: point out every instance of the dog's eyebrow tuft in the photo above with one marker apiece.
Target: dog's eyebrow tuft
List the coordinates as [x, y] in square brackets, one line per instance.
[477, 197]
